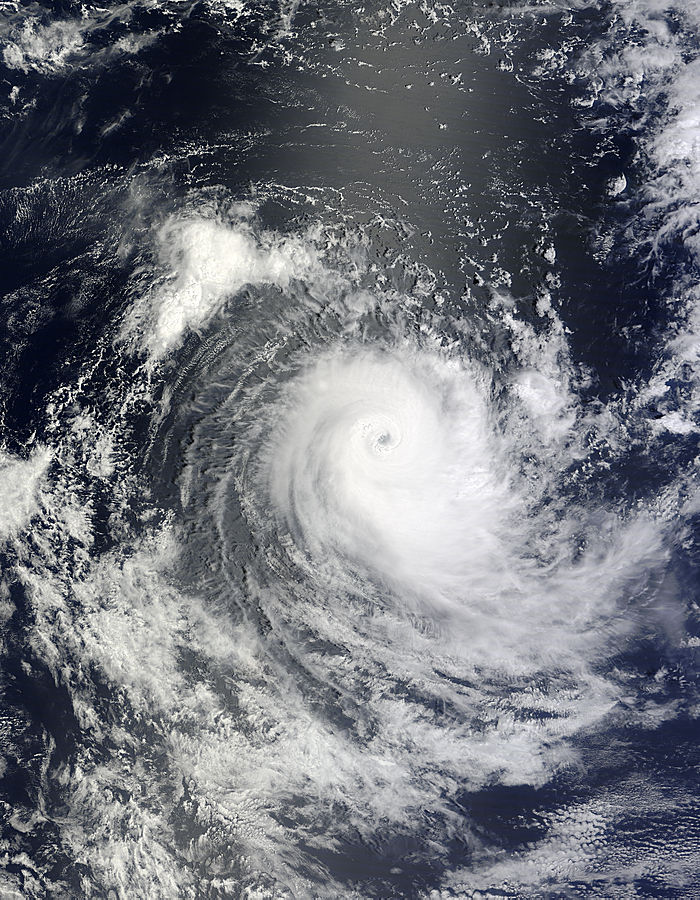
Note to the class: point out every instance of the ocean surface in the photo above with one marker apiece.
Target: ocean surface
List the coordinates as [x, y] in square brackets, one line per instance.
[349, 450]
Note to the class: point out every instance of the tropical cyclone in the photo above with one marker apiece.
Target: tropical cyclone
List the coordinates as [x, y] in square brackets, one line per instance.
[386, 460]
[349, 450]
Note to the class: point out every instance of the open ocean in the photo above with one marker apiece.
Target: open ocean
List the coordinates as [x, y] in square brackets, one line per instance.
[349, 450]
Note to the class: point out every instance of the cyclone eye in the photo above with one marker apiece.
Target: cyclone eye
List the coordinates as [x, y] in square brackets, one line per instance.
[380, 434]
